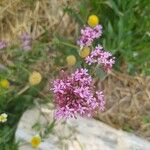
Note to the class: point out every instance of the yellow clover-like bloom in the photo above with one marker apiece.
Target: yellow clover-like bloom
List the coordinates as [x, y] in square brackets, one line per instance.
[71, 60]
[3, 117]
[93, 20]
[4, 84]
[35, 78]
[84, 52]
[35, 141]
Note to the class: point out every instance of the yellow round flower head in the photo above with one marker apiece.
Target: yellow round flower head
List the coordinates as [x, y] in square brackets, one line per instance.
[84, 52]
[3, 117]
[35, 141]
[4, 84]
[93, 20]
[71, 60]
[35, 78]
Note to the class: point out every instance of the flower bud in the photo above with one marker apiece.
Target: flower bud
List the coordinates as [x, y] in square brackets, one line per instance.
[93, 20]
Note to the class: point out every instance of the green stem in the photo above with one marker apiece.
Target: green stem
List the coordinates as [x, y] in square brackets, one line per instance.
[23, 90]
[68, 44]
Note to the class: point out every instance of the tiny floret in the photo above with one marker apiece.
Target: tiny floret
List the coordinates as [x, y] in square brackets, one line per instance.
[3, 118]
[101, 57]
[4, 84]
[84, 52]
[88, 35]
[71, 60]
[35, 78]
[76, 94]
[36, 141]
[26, 42]
[93, 20]
[2, 45]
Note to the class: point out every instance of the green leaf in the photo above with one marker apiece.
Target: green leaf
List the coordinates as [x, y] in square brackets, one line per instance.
[100, 73]
[49, 129]
[74, 14]
[112, 4]
[145, 119]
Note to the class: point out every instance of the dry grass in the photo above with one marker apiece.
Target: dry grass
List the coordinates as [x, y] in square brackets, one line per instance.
[128, 103]
[18, 16]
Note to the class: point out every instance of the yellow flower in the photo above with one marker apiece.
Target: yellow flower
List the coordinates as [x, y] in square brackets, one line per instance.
[35, 78]
[4, 84]
[84, 52]
[35, 141]
[3, 117]
[71, 60]
[93, 20]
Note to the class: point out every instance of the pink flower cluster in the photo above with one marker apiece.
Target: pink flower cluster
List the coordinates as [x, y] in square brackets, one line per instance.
[101, 57]
[26, 42]
[2, 44]
[75, 95]
[88, 35]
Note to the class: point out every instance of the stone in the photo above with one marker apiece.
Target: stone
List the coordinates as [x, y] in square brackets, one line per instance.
[75, 134]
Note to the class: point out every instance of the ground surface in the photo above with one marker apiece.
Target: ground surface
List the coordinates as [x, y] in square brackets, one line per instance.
[128, 103]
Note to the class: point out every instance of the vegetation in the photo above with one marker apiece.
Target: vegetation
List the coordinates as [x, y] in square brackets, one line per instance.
[126, 34]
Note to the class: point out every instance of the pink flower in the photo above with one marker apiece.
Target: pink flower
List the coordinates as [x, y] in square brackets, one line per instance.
[88, 35]
[101, 57]
[75, 94]
[26, 42]
[2, 44]
[101, 101]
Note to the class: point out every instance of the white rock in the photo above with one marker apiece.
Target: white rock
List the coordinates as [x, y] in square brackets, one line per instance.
[76, 134]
